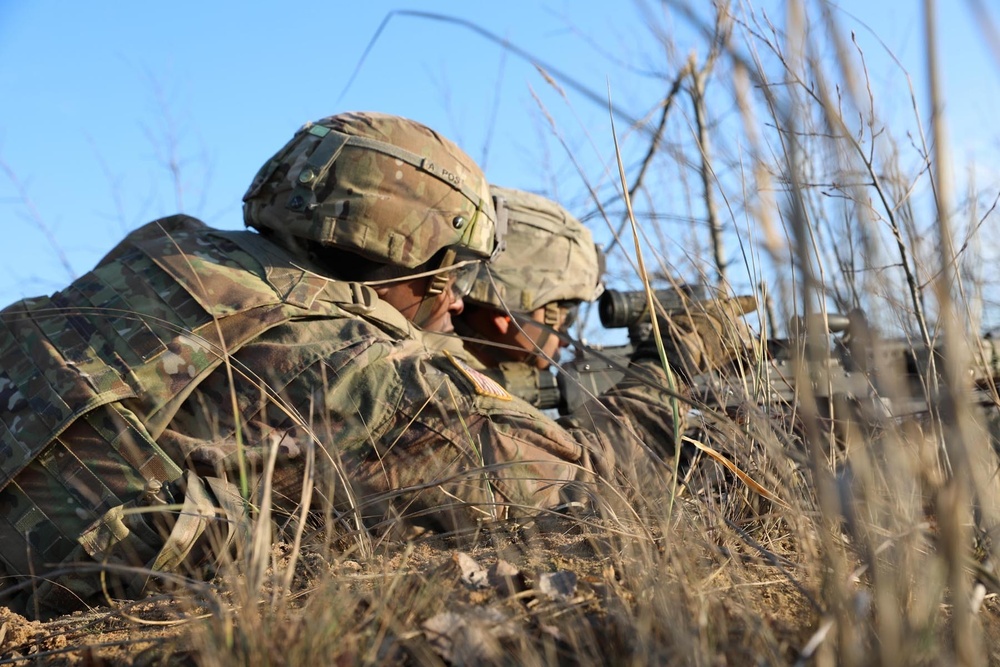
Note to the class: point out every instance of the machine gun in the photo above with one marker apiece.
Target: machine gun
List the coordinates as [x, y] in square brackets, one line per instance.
[890, 376]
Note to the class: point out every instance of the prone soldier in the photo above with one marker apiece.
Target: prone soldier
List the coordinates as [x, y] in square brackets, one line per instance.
[195, 374]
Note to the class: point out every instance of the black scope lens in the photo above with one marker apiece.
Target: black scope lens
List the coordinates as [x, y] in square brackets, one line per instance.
[628, 308]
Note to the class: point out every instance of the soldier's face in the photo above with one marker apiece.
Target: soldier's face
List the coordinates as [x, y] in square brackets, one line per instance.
[430, 313]
[520, 340]
[446, 305]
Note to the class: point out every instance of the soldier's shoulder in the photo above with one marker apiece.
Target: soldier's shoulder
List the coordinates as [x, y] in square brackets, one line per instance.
[170, 229]
[173, 224]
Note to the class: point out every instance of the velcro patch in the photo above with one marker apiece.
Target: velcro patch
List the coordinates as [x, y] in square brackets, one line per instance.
[484, 386]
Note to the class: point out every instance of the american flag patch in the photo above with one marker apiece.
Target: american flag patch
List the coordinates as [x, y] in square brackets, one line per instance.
[484, 386]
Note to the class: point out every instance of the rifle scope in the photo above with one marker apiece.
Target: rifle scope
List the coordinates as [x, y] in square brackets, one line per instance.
[628, 308]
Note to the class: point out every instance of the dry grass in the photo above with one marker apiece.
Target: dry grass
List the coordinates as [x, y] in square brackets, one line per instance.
[881, 549]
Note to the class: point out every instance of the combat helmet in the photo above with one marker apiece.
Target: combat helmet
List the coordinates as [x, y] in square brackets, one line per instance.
[550, 258]
[384, 187]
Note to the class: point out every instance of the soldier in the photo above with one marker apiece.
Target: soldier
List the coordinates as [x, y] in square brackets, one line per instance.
[522, 305]
[196, 376]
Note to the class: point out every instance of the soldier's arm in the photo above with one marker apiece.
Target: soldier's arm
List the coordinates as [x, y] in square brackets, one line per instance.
[634, 422]
[461, 449]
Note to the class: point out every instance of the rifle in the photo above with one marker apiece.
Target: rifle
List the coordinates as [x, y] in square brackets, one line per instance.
[891, 377]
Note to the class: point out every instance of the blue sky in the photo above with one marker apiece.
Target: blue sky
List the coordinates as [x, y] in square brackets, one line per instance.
[98, 98]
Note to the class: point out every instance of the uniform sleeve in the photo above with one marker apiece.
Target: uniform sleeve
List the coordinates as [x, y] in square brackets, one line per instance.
[458, 450]
[632, 424]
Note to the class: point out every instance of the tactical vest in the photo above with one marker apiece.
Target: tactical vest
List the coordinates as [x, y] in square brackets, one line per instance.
[158, 315]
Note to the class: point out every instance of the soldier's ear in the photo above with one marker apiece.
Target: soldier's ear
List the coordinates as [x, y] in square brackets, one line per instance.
[501, 322]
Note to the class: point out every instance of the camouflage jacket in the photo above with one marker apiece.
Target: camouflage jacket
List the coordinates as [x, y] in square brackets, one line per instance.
[193, 349]
[626, 427]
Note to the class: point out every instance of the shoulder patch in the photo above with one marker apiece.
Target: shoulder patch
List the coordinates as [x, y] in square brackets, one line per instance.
[484, 385]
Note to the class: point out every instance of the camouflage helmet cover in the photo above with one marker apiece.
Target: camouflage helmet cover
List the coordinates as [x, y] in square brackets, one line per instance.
[550, 256]
[384, 187]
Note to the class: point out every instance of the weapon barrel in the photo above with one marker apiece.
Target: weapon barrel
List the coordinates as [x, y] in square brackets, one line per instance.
[832, 322]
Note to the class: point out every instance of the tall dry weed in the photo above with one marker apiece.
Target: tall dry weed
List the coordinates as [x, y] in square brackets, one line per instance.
[874, 543]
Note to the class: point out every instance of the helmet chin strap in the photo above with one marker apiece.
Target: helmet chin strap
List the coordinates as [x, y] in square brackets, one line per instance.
[426, 309]
[550, 320]
[436, 286]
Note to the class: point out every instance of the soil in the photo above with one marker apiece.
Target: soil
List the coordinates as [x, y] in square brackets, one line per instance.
[475, 602]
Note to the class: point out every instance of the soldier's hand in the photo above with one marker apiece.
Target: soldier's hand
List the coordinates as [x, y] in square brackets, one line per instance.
[709, 335]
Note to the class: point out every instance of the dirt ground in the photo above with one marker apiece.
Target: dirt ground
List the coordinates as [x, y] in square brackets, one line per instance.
[553, 572]
[463, 604]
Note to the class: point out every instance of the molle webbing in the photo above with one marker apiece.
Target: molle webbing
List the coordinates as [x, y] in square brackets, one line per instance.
[49, 377]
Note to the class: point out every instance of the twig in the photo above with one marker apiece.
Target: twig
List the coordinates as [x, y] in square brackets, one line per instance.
[37, 219]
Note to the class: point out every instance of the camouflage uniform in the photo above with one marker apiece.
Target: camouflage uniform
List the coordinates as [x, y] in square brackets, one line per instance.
[550, 258]
[136, 400]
